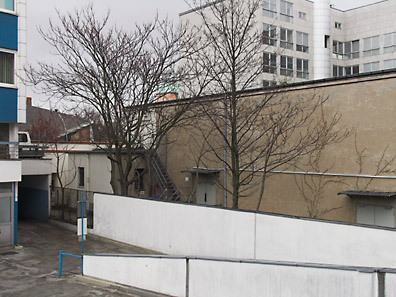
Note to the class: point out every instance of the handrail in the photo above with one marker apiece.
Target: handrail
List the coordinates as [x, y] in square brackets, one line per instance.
[61, 254]
[164, 180]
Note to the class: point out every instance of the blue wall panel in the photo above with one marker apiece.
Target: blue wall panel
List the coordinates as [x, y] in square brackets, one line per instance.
[8, 105]
[8, 31]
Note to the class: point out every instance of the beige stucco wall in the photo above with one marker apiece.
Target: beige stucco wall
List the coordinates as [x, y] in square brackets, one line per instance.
[366, 106]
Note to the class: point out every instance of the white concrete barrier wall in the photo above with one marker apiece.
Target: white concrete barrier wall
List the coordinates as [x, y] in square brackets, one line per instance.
[165, 276]
[230, 279]
[390, 284]
[225, 278]
[307, 241]
[181, 229]
[174, 228]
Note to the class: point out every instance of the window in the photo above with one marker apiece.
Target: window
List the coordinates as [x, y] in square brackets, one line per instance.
[5, 209]
[371, 46]
[5, 187]
[269, 63]
[351, 50]
[286, 66]
[348, 70]
[326, 41]
[390, 43]
[337, 25]
[286, 11]
[6, 68]
[7, 4]
[302, 15]
[368, 67]
[139, 180]
[81, 178]
[341, 71]
[269, 8]
[338, 50]
[269, 34]
[345, 50]
[4, 137]
[302, 42]
[286, 38]
[338, 70]
[390, 64]
[302, 69]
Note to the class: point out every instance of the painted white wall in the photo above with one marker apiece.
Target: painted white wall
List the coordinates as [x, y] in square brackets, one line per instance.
[232, 279]
[36, 167]
[181, 229]
[175, 228]
[10, 171]
[319, 242]
[221, 277]
[390, 284]
[166, 276]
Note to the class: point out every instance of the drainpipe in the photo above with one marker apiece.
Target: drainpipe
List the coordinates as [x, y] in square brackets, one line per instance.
[225, 155]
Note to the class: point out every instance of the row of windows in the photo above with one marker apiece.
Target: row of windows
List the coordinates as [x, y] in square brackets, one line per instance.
[286, 38]
[371, 47]
[346, 50]
[7, 4]
[367, 67]
[286, 65]
[285, 11]
[6, 68]
[345, 70]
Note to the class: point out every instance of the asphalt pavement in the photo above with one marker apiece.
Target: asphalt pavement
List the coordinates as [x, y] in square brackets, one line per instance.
[31, 269]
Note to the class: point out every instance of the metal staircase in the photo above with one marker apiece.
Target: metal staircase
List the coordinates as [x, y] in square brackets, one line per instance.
[168, 188]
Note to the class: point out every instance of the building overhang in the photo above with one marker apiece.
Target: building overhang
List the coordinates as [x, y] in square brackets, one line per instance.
[365, 194]
[11, 171]
[202, 170]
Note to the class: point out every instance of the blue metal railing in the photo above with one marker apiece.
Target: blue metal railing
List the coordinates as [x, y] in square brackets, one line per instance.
[61, 254]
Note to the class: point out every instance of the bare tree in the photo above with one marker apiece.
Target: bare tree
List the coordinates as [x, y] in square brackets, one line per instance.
[47, 131]
[257, 132]
[227, 63]
[296, 128]
[313, 185]
[384, 164]
[117, 74]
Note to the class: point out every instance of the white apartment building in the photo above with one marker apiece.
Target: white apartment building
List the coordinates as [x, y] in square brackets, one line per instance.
[305, 40]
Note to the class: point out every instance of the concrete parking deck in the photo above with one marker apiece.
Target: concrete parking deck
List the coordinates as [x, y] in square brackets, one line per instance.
[32, 268]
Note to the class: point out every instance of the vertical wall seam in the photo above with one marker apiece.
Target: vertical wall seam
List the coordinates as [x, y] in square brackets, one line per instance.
[187, 277]
[381, 283]
[255, 236]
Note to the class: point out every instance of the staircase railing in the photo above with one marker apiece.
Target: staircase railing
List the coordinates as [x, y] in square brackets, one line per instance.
[168, 188]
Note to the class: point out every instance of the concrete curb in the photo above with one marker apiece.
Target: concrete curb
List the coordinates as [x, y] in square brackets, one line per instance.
[122, 288]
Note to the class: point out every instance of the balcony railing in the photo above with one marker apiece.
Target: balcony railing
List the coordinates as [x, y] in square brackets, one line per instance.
[31, 151]
[8, 150]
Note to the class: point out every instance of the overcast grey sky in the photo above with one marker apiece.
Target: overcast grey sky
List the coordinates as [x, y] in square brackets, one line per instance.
[124, 13]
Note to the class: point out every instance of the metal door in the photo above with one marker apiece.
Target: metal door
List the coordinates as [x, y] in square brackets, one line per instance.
[6, 210]
[206, 194]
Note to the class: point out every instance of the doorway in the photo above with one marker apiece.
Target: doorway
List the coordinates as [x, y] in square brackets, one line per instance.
[206, 194]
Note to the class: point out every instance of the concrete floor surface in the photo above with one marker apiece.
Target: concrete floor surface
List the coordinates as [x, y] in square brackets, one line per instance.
[32, 268]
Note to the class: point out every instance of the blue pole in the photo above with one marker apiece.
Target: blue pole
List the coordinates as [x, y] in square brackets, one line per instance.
[82, 233]
[60, 264]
